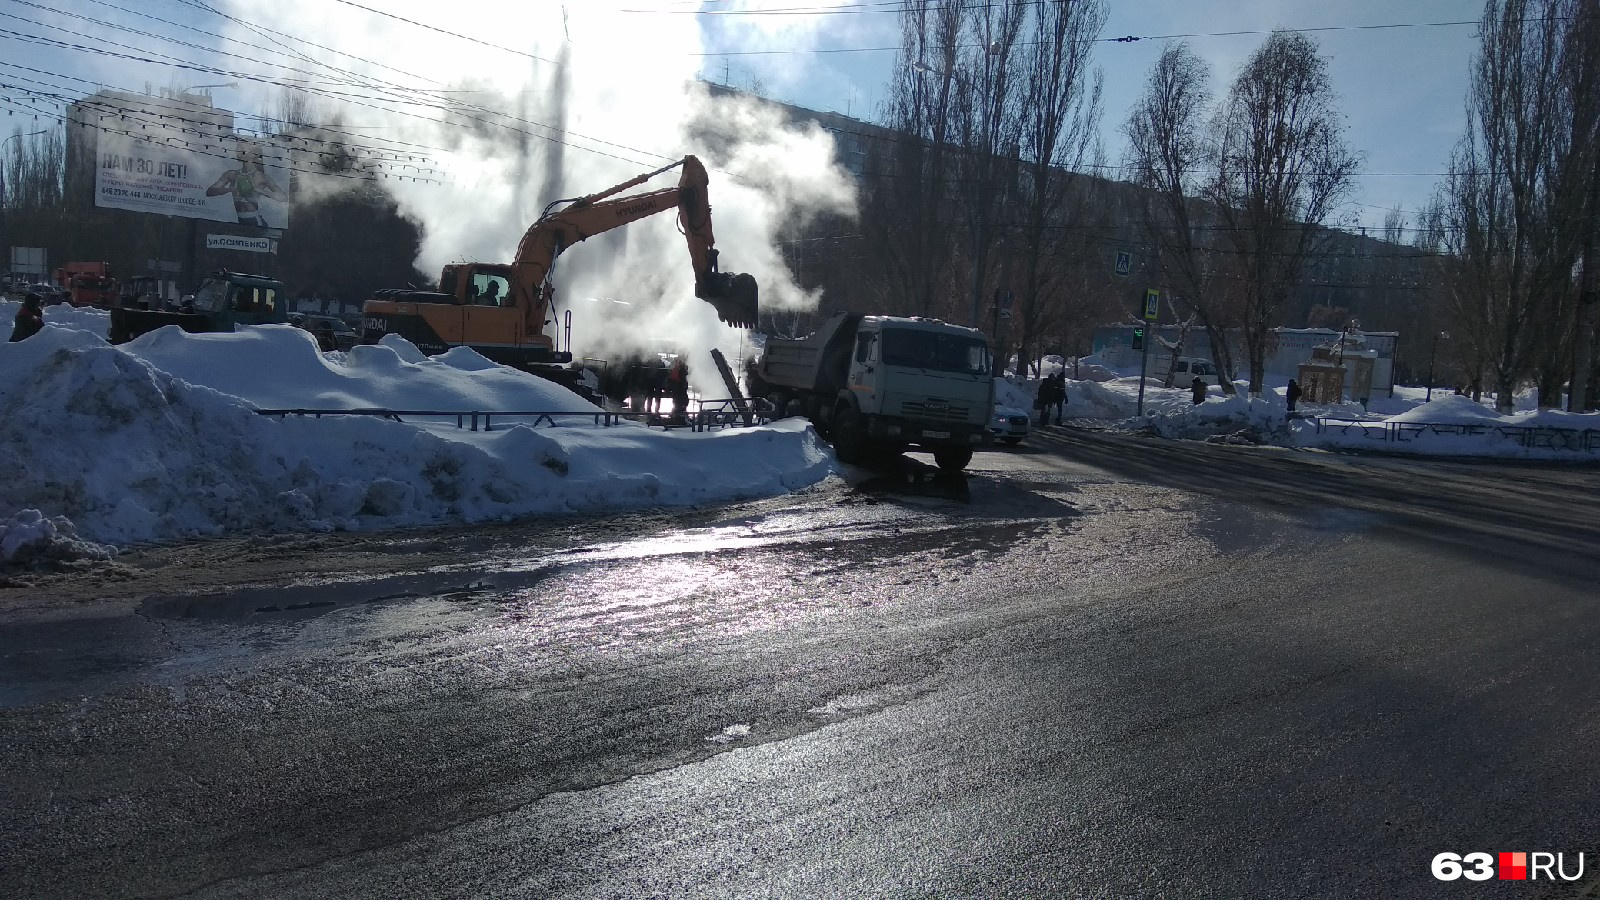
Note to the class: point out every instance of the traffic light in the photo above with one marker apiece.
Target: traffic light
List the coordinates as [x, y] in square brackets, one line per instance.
[1138, 339]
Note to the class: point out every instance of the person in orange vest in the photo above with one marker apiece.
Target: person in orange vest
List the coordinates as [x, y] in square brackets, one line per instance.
[30, 318]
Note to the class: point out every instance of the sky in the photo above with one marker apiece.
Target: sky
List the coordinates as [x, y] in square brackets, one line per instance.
[597, 88]
[158, 439]
[1402, 89]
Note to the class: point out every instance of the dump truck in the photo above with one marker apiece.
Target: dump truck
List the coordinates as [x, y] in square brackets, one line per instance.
[879, 385]
[222, 301]
[88, 284]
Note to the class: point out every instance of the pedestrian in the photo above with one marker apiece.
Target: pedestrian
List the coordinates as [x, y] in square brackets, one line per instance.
[30, 318]
[1045, 399]
[678, 388]
[1198, 386]
[1292, 393]
[1060, 396]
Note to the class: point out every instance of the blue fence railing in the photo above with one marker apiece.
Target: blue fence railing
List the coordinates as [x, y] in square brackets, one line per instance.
[1532, 437]
[708, 415]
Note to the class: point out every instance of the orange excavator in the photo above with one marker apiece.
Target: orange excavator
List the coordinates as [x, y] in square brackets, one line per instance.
[501, 310]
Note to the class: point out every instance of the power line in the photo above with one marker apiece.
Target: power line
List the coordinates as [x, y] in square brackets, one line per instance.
[444, 32]
[440, 103]
[1129, 39]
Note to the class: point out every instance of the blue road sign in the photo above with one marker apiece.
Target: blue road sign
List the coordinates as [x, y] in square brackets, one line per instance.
[1152, 305]
[1124, 264]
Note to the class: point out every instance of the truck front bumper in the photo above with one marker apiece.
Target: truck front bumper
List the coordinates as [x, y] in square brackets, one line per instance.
[930, 434]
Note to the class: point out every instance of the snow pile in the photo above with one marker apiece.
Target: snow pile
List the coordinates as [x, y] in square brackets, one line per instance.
[1454, 425]
[280, 367]
[157, 439]
[1231, 419]
[1119, 399]
[1011, 392]
[28, 537]
[1450, 409]
[85, 318]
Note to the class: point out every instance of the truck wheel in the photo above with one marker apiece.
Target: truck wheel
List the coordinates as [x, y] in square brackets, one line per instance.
[952, 459]
[849, 438]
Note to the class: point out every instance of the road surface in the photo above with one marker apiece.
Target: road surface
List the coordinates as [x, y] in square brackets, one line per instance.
[1101, 666]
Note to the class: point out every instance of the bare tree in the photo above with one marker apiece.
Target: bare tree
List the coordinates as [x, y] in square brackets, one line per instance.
[1581, 57]
[1282, 169]
[1061, 118]
[1169, 156]
[988, 126]
[907, 209]
[1511, 210]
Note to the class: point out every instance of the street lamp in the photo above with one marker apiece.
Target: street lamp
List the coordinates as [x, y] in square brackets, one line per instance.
[1433, 355]
[3, 185]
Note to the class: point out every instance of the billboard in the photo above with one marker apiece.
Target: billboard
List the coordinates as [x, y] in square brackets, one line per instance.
[221, 179]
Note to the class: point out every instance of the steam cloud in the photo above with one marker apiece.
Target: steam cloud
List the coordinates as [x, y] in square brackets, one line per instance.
[609, 96]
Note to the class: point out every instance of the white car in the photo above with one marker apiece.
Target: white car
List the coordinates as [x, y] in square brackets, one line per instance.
[1185, 369]
[1009, 424]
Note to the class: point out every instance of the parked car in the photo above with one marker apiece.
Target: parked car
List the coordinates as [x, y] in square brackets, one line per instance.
[332, 333]
[1009, 424]
[1185, 369]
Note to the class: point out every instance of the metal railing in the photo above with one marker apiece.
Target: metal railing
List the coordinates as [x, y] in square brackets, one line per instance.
[1532, 437]
[709, 415]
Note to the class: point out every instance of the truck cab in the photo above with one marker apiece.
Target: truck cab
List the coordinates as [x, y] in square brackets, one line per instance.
[223, 301]
[887, 384]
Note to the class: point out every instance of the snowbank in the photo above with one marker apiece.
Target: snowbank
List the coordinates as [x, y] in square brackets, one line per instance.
[157, 440]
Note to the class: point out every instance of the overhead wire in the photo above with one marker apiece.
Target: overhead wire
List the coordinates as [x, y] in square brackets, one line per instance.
[439, 104]
[351, 97]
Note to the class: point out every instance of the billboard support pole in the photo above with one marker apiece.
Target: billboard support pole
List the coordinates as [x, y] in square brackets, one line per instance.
[189, 279]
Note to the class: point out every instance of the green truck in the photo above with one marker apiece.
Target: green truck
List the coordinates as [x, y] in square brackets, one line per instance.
[222, 301]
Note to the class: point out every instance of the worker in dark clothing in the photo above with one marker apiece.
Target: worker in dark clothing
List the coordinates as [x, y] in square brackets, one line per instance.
[1047, 399]
[1060, 396]
[678, 388]
[1292, 393]
[1198, 386]
[30, 318]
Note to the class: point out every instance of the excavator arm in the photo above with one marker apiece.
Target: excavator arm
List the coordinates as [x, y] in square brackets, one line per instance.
[734, 296]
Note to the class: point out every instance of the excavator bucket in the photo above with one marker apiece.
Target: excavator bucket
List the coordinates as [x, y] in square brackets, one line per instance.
[734, 296]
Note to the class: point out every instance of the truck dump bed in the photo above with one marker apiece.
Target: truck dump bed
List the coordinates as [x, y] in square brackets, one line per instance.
[127, 324]
[809, 363]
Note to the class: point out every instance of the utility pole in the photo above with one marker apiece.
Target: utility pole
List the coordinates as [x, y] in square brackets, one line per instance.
[1433, 356]
[1152, 309]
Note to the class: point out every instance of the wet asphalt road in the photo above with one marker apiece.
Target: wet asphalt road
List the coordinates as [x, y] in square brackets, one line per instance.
[1102, 666]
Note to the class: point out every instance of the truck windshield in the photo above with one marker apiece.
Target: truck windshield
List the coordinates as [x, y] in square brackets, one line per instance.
[934, 350]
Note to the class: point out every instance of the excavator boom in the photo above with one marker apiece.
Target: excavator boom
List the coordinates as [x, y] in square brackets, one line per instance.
[500, 310]
[733, 296]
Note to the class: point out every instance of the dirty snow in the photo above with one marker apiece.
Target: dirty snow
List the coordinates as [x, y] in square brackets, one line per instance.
[1465, 427]
[158, 440]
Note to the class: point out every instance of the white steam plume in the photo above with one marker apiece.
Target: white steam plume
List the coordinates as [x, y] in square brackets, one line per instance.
[616, 100]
